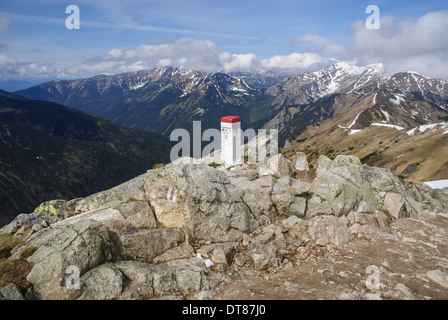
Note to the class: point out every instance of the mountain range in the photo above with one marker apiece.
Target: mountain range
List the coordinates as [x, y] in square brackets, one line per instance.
[340, 109]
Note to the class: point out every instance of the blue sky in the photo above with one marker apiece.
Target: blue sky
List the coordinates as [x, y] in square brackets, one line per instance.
[283, 35]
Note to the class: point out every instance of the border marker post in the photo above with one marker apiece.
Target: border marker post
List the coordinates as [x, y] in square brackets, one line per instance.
[231, 141]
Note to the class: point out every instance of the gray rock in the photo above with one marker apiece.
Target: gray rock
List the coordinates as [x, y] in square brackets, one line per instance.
[297, 187]
[290, 222]
[439, 277]
[181, 277]
[256, 195]
[299, 231]
[382, 220]
[286, 202]
[300, 187]
[11, 292]
[132, 190]
[341, 189]
[269, 233]
[264, 171]
[395, 204]
[189, 280]
[84, 244]
[346, 161]
[104, 282]
[36, 227]
[381, 179]
[362, 218]
[323, 163]
[243, 171]
[327, 230]
[220, 252]
[140, 275]
[280, 165]
[242, 258]
[265, 256]
[300, 161]
[405, 290]
[132, 214]
[184, 250]
[145, 245]
[22, 221]
[365, 223]
[204, 295]
[207, 204]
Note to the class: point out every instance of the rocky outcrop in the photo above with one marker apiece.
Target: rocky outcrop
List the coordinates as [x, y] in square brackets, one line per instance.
[156, 235]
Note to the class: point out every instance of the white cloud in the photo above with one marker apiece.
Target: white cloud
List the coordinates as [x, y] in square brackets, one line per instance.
[293, 61]
[237, 62]
[420, 45]
[11, 68]
[191, 53]
[319, 44]
[186, 52]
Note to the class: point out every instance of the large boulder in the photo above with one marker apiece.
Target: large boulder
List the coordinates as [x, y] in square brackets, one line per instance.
[128, 215]
[206, 205]
[132, 190]
[338, 191]
[395, 204]
[145, 245]
[280, 165]
[84, 245]
[299, 161]
[220, 252]
[104, 282]
[286, 202]
[265, 256]
[346, 161]
[323, 163]
[181, 277]
[11, 292]
[256, 195]
[326, 230]
[368, 223]
[49, 211]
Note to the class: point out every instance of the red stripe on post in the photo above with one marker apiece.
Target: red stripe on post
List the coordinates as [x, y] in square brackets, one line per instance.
[230, 119]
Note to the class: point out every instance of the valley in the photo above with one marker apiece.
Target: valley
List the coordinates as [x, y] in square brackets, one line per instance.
[49, 151]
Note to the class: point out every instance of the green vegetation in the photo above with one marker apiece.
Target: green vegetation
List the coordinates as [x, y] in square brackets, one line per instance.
[12, 270]
[7, 243]
[214, 165]
[370, 155]
[389, 216]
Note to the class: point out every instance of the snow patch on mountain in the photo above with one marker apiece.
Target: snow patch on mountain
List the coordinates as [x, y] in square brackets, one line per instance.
[387, 125]
[386, 114]
[431, 126]
[137, 86]
[438, 184]
[397, 100]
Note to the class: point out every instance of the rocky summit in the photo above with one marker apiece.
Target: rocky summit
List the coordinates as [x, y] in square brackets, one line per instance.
[189, 229]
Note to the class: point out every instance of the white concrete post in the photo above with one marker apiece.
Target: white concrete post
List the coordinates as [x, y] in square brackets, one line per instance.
[231, 141]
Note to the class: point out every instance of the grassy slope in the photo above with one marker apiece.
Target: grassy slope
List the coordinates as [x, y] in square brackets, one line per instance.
[383, 147]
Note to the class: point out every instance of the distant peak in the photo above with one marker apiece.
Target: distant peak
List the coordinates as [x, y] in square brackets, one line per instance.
[354, 69]
[417, 73]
